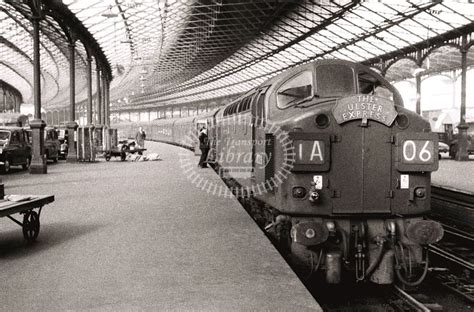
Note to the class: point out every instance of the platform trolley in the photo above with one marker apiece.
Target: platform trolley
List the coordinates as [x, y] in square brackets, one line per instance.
[119, 148]
[25, 205]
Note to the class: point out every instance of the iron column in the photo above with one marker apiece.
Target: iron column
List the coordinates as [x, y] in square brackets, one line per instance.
[462, 153]
[38, 161]
[89, 90]
[99, 96]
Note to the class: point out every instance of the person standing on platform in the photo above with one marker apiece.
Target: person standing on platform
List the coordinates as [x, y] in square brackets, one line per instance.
[140, 137]
[204, 147]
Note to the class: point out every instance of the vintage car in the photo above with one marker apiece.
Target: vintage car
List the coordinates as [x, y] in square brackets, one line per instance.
[51, 143]
[63, 140]
[443, 148]
[14, 148]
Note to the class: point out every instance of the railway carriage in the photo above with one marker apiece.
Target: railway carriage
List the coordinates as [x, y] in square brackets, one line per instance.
[338, 167]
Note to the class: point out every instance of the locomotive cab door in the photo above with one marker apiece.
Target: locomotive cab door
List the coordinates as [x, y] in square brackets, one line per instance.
[363, 175]
[362, 162]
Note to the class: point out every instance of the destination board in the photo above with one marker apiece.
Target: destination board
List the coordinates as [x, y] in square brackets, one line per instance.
[365, 107]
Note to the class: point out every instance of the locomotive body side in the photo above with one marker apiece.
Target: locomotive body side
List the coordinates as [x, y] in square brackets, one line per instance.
[233, 137]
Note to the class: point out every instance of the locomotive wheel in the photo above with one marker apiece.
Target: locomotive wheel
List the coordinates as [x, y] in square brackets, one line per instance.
[31, 226]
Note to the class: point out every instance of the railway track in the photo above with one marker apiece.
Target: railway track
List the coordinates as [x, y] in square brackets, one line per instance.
[457, 246]
[403, 300]
[452, 205]
[455, 252]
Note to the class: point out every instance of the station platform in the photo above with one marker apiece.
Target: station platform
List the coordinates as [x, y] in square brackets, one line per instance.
[140, 236]
[456, 175]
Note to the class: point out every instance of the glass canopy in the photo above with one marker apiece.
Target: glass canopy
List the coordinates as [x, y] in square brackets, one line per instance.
[177, 51]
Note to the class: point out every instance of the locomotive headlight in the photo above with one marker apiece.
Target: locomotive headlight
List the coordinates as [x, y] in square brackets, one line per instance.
[299, 192]
[402, 121]
[322, 121]
[420, 192]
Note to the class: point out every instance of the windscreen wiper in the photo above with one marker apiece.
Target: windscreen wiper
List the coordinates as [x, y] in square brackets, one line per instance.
[319, 102]
[306, 100]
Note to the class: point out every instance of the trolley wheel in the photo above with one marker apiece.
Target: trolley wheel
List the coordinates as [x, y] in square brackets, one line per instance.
[31, 226]
[123, 156]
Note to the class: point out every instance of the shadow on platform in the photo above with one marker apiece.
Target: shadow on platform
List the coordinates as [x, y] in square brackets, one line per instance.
[14, 246]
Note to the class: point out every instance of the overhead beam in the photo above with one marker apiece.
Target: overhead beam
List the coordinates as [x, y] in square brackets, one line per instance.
[426, 44]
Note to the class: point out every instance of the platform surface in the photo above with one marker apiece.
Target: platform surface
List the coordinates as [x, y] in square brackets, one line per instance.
[455, 174]
[139, 236]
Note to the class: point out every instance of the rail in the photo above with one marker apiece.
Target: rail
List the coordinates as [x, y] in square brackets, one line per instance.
[412, 302]
[451, 195]
[447, 255]
[456, 247]
[456, 250]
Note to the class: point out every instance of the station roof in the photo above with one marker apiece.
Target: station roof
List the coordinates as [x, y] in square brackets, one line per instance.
[175, 51]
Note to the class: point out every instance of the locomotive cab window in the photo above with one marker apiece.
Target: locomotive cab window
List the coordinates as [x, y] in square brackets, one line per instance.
[369, 84]
[298, 88]
[334, 80]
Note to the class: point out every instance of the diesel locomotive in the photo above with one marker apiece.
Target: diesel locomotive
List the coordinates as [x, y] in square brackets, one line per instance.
[339, 168]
